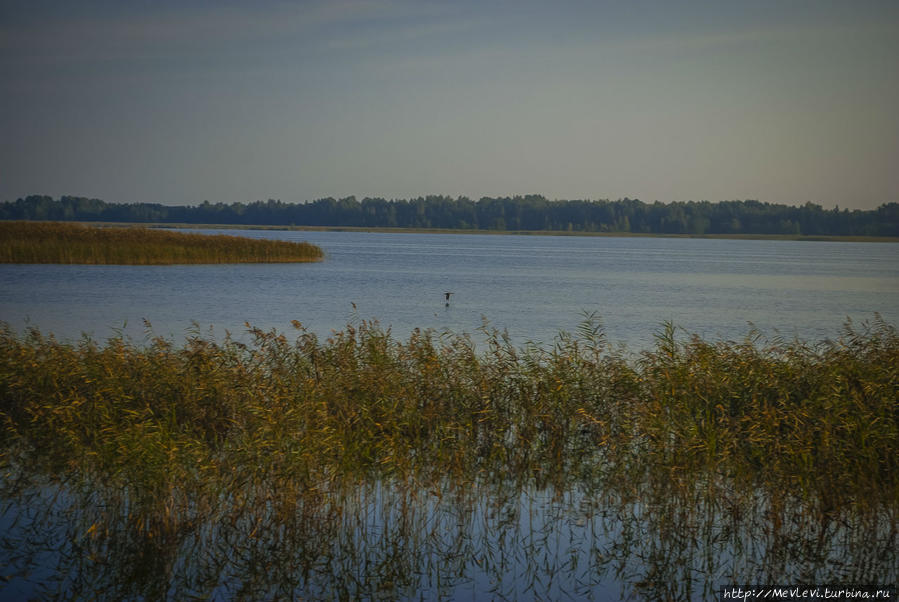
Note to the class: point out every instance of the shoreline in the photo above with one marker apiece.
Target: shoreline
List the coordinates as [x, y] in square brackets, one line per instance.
[386, 230]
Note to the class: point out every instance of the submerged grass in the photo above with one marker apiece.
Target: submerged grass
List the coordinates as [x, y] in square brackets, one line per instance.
[42, 242]
[821, 422]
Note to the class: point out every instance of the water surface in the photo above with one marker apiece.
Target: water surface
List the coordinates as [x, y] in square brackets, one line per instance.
[585, 537]
[533, 286]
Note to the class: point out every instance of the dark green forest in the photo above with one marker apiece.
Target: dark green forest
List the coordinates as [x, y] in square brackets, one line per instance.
[530, 212]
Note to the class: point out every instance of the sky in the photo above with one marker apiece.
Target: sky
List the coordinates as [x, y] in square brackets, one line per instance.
[176, 102]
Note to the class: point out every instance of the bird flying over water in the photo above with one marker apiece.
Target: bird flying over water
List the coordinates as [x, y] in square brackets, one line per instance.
[447, 296]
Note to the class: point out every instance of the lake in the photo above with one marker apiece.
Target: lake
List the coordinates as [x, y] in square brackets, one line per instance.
[608, 526]
[532, 286]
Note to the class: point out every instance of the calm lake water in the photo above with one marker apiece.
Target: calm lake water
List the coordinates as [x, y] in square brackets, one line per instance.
[533, 286]
[594, 537]
[399, 541]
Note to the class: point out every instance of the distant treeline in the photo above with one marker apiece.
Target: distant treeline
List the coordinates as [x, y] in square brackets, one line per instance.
[530, 212]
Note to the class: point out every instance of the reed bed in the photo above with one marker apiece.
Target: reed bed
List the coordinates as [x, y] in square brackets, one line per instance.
[40, 242]
[823, 419]
[361, 464]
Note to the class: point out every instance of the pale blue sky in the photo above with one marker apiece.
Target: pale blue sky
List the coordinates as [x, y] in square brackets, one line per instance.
[177, 102]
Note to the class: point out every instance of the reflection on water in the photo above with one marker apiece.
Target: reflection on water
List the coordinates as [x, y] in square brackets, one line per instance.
[662, 538]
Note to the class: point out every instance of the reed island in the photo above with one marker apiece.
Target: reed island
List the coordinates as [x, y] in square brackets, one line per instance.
[55, 242]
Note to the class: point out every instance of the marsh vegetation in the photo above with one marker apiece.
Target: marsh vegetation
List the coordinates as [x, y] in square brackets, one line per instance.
[363, 466]
[49, 242]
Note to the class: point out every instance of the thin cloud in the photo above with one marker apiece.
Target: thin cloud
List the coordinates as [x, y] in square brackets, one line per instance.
[195, 28]
[405, 33]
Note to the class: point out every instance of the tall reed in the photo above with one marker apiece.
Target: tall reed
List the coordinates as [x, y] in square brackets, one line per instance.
[822, 420]
[49, 242]
[379, 468]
